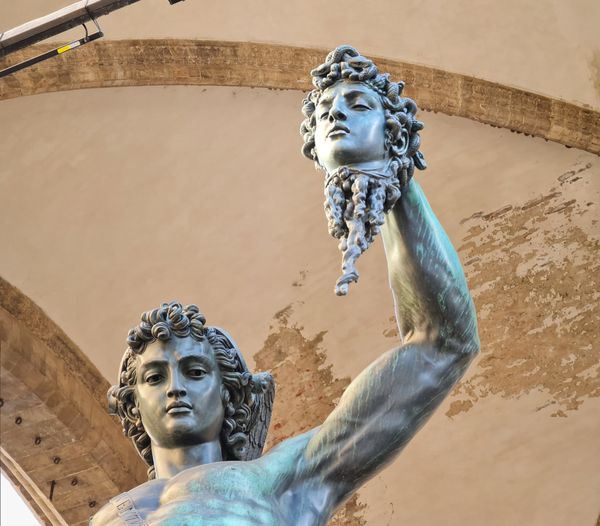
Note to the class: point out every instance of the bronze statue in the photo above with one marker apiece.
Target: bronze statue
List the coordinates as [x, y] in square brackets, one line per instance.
[199, 418]
[365, 171]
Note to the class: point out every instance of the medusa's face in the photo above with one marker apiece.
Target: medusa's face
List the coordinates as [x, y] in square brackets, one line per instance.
[350, 126]
[178, 391]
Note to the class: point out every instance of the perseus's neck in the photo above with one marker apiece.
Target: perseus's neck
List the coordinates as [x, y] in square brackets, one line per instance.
[168, 462]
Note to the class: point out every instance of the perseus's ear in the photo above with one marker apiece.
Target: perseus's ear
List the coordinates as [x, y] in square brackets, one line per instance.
[113, 402]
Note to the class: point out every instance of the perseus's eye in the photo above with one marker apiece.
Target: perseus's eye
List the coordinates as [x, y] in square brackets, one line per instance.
[153, 378]
[324, 115]
[196, 373]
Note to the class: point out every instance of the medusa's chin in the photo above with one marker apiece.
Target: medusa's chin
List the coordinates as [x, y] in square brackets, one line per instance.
[345, 152]
[359, 165]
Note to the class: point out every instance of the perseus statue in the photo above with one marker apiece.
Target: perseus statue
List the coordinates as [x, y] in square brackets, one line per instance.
[199, 418]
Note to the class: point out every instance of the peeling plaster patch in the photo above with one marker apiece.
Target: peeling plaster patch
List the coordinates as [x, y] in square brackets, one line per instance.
[392, 332]
[595, 71]
[534, 274]
[306, 391]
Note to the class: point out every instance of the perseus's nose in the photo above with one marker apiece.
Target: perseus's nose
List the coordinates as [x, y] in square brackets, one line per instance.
[176, 388]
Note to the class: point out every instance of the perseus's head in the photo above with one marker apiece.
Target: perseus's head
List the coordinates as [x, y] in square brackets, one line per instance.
[356, 115]
[182, 383]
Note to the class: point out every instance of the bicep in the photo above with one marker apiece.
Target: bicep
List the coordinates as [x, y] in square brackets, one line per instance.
[378, 414]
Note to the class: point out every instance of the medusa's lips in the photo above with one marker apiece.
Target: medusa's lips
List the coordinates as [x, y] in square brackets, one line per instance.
[178, 407]
[338, 130]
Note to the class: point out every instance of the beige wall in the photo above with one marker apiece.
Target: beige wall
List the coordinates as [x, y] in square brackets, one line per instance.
[550, 47]
[114, 200]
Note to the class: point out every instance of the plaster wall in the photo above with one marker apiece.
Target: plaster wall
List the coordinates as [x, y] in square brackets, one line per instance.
[114, 200]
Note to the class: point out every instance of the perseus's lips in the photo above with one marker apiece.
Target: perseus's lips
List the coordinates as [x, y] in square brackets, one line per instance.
[177, 408]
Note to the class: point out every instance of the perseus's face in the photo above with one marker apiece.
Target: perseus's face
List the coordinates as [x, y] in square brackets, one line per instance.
[178, 391]
[350, 126]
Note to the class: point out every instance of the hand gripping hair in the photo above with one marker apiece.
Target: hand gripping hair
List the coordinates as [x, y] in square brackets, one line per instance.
[356, 200]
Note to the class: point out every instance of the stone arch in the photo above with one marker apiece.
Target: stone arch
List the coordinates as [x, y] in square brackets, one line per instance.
[60, 447]
[195, 62]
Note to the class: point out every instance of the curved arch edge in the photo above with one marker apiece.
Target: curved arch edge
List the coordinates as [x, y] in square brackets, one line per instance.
[216, 63]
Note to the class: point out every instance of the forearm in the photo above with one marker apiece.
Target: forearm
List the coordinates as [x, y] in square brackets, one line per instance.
[430, 291]
[390, 400]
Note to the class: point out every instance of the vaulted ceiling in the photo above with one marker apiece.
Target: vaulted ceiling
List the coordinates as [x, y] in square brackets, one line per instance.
[113, 200]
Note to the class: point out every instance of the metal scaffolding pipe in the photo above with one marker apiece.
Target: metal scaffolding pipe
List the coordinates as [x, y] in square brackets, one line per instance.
[58, 22]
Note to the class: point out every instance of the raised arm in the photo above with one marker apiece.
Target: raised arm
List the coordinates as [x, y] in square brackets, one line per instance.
[388, 402]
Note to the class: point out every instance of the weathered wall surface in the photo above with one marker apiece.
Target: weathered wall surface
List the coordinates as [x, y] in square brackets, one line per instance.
[545, 252]
[115, 200]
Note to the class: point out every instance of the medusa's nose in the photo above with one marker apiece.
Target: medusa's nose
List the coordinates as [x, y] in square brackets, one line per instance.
[337, 115]
[337, 111]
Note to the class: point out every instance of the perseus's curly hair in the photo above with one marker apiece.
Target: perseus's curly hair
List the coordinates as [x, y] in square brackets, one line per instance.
[175, 320]
[346, 63]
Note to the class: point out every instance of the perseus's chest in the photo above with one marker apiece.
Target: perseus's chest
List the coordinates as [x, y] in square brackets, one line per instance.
[223, 494]
[222, 479]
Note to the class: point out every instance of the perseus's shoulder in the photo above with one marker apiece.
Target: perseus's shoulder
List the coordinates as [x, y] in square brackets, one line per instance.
[108, 515]
[283, 460]
[118, 511]
[131, 506]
